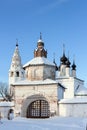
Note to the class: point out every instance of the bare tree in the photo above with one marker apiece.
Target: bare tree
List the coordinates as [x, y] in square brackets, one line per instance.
[6, 95]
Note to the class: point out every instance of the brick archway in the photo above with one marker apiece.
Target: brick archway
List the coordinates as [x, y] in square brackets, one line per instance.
[38, 109]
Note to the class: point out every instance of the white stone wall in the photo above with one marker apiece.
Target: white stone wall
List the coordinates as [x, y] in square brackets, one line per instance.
[4, 110]
[49, 92]
[68, 72]
[73, 109]
[68, 83]
[40, 72]
[71, 84]
[78, 84]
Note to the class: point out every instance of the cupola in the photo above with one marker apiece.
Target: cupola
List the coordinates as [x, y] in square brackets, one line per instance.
[40, 43]
[40, 51]
[73, 65]
[68, 63]
[73, 69]
[63, 59]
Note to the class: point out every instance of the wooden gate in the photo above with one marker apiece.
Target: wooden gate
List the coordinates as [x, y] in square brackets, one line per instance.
[38, 109]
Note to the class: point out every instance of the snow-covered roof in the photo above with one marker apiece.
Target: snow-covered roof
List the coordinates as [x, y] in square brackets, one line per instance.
[38, 82]
[6, 104]
[81, 91]
[62, 86]
[73, 100]
[40, 40]
[39, 61]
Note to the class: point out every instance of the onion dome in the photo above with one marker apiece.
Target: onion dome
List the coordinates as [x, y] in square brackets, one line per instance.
[63, 59]
[73, 65]
[68, 63]
[40, 43]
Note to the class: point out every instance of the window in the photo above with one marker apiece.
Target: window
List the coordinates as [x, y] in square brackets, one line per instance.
[17, 74]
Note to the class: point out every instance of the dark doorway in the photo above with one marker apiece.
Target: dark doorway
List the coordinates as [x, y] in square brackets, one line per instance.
[38, 109]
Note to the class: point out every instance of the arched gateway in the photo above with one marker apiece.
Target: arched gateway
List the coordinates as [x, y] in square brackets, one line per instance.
[35, 106]
[38, 109]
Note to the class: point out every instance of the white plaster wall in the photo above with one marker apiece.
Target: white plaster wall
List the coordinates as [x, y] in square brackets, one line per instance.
[62, 70]
[78, 82]
[48, 91]
[74, 110]
[68, 83]
[4, 111]
[67, 71]
[40, 72]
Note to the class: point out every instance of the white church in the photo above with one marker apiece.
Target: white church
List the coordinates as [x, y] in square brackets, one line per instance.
[43, 89]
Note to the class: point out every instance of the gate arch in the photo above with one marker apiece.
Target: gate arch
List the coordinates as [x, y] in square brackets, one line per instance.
[38, 109]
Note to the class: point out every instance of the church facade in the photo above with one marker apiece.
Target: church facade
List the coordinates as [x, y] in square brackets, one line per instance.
[43, 89]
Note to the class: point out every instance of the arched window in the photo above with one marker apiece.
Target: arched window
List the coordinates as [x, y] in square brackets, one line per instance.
[17, 73]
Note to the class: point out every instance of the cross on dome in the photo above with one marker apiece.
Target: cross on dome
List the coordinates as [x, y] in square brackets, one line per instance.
[16, 42]
[40, 36]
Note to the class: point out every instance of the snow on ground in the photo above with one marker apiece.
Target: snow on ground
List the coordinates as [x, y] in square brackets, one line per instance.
[54, 123]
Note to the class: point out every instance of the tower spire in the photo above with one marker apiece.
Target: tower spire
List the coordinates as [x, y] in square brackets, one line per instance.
[63, 49]
[73, 65]
[56, 67]
[68, 62]
[74, 68]
[63, 59]
[40, 36]
[16, 71]
[54, 58]
[16, 42]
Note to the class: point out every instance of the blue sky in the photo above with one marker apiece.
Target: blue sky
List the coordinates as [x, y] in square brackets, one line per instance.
[60, 21]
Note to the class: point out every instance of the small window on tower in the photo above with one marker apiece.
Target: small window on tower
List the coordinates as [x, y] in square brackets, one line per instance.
[17, 73]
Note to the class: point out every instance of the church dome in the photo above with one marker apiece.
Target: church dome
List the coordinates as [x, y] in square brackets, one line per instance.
[68, 63]
[73, 66]
[63, 59]
[40, 43]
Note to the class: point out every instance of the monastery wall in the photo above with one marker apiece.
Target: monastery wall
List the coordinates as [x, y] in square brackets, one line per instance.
[73, 109]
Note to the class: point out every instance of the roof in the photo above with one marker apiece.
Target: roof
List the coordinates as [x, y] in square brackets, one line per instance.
[6, 104]
[38, 82]
[82, 91]
[39, 61]
[73, 101]
[40, 40]
[61, 86]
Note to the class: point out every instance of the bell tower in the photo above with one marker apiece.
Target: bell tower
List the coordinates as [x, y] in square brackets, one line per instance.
[16, 71]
